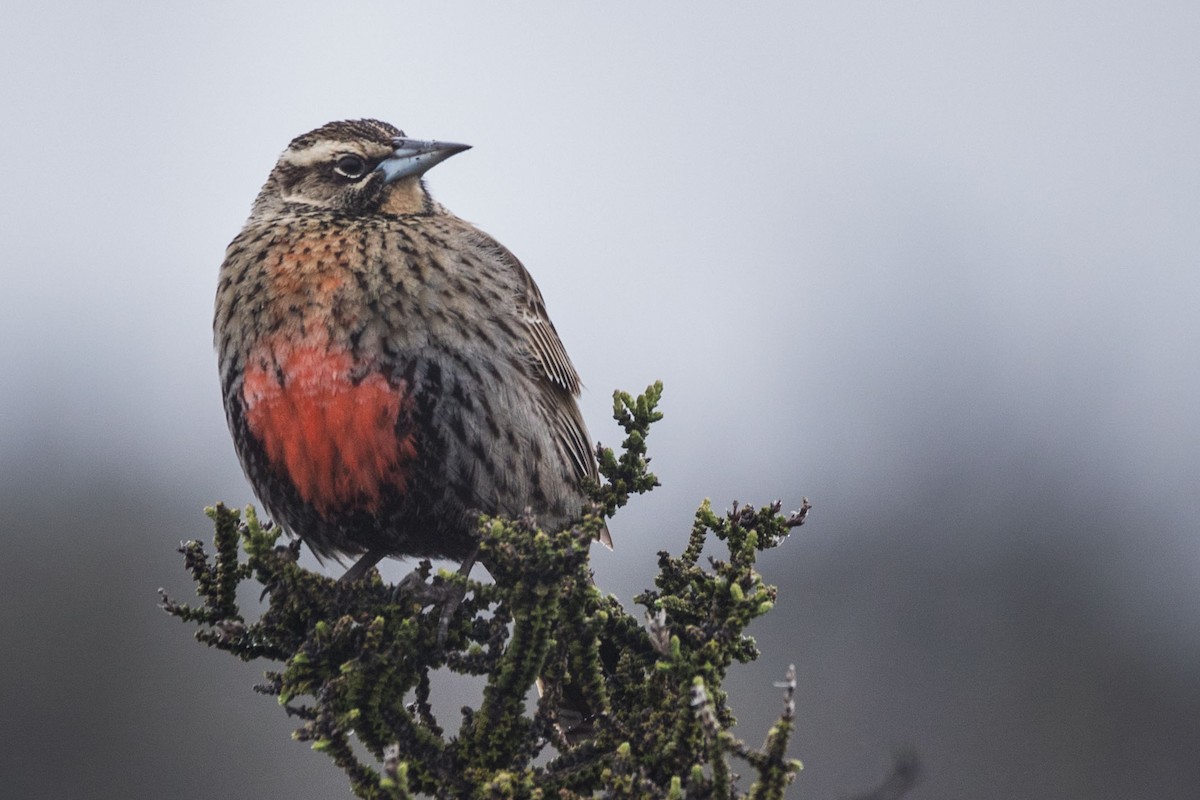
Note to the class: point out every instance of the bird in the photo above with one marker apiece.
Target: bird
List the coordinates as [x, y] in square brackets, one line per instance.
[388, 370]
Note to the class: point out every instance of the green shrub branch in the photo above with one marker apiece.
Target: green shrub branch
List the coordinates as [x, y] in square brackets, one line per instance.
[629, 707]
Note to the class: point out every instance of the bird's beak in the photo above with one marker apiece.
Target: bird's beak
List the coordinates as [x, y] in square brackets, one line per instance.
[415, 157]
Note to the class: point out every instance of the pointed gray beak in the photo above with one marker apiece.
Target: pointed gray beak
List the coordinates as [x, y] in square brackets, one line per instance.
[415, 157]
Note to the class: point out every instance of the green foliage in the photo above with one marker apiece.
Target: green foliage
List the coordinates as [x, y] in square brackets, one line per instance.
[629, 709]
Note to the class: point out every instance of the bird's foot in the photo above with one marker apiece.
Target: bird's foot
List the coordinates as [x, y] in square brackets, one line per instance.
[458, 591]
[447, 595]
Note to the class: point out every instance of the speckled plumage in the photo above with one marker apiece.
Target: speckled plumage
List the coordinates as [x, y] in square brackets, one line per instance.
[389, 370]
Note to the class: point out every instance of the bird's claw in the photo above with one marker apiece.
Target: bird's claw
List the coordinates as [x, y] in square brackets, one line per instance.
[447, 595]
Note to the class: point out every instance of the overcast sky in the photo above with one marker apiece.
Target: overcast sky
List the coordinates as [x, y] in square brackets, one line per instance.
[932, 264]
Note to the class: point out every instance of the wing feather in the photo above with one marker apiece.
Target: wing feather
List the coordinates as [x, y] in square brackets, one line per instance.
[552, 364]
[560, 381]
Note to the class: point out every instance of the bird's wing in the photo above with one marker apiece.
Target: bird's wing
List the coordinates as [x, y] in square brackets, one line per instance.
[543, 340]
[550, 361]
[552, 364]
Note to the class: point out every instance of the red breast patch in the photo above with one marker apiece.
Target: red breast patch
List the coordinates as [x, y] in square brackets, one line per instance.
[335, 438]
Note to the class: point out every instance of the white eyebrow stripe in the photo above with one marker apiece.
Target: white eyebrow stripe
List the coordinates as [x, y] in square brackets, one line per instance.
[317, 153]
[326, 151]
[304, 200]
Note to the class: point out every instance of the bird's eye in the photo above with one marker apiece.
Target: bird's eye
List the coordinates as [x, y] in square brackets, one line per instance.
[350, 166]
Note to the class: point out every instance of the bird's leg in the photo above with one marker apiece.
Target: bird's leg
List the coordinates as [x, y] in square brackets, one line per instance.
[454, 597]
[450, 596]
[362, 566]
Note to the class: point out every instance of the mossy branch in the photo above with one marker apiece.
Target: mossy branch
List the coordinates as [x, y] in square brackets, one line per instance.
[631, 710]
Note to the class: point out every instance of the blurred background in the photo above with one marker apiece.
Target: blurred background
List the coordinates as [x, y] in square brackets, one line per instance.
[933, 265]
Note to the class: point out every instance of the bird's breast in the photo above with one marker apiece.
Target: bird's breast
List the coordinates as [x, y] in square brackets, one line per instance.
[312, 268]
[335, 431]
[339, 315]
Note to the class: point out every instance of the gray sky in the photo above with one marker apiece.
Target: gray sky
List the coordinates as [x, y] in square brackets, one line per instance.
[931, 264]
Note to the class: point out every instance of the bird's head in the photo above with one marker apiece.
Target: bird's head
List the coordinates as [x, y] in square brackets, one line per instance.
[354, 167]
